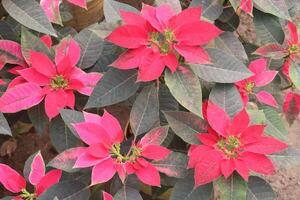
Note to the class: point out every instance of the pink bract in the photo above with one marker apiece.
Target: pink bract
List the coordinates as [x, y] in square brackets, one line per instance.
[104, 138]
[158, 37]
[262, 77]
[15, 183]
[54, 82]
[231, 145]
[247, 6]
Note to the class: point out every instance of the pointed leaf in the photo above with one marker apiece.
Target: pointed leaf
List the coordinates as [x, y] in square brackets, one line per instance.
[175, 165]
[259, 189]
[184, 190]
[34, 168]
[126, 193]
[115, 86]
[70, 117]
[276, 7]
[227, 97]
[38, 118]
[91, 46]
[61, 136]
[287, 158]
[30, 14]
[225, 68]
[10, 52]
[4, 126]
[233, 188]
[185, 87]
[67, 190]
[295, 74]
[186, 125]
[155, 136]
[112, 10]
[145, 110]
[211, 9]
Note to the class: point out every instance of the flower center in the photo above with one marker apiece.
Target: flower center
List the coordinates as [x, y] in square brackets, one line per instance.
[294, 49]
[27, 195]
[132, 155]
[162, 41]
[229, 146]
[58, 82]
[249, 87]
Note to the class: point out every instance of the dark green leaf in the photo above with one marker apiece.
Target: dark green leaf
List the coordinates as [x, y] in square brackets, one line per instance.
[232, 188]
[227, 97]
[259, 189]
[278, 8]
[229, 20]
[115, 86]
[128, 193]
[30, 14]
[268, 28]
[225, 68]
[38, 118]
[61, 136]
[145, 110]
[186, 125]
[185, 87]
[71, 116]
[185, 190]
[67, 190]
[211, 9]
[175, 165]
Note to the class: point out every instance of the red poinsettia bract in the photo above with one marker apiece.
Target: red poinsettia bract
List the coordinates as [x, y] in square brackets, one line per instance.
[104, 153]
[15, 183]
[247, 6]
[261, 77]
[107, 196]
[157, 37]
[56, 83]
[231, 145]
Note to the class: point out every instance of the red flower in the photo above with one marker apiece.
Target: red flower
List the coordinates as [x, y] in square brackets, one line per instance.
[107, 196]
[56, 83]
[247, 6]
[41, 181]
[104, 138]
[231, 145]
[290, 50]
[157, 37]
[261, 77]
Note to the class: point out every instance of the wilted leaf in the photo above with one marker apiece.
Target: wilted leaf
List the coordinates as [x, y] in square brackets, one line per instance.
[227, 97]
[175, 165]
[225, 68]
[115, 86]
[185, 87]
[30, 14]
[8, 148]
[145, 110]
[186, 125]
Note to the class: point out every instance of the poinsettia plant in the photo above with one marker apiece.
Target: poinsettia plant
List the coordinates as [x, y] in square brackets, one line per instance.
[164, 101]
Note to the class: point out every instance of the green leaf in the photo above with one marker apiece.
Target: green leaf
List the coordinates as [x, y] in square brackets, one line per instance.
[227, 97]
[67, 190]
[186, 125]
[295, 74]
[259, 189]
[70, 117]
[232, 188]
[278, 8]
[229, 20]
[268, 28]
[275, 126]
[91, 46]
[61, 136]
[184, 190]
[145, 110]
[286, 159]
[30, 14]
[38, 118]
[30, 42]
[127, 193]
[228, 42]
[115, 86]
[4, 126]
[225, 68]
[211, 9]
[175, 165]
[112, 10]
[185, 87]
[175, 4]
